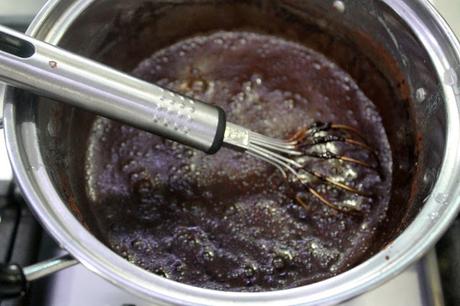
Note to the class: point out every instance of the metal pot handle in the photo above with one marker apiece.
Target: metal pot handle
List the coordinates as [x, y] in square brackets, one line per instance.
[14, 280]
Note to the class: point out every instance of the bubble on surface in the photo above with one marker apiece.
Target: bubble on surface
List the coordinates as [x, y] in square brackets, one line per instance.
[339, 6]
[420, 94]
[228, 221]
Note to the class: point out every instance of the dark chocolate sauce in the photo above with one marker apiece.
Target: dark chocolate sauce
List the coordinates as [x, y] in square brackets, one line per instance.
[228, 221]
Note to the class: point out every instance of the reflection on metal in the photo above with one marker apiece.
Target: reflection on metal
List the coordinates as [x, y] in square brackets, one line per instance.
[418, 285]
[6, 173]
[48, 267]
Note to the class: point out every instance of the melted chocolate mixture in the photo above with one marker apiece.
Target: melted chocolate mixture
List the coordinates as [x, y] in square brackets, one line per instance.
[228, 221]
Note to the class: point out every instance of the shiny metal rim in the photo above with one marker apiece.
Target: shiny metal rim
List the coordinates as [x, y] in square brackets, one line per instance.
[408, 247]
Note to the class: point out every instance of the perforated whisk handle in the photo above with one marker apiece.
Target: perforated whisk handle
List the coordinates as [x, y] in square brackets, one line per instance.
[50, 71]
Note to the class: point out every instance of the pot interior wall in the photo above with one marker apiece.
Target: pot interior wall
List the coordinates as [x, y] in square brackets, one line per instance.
[366, 40]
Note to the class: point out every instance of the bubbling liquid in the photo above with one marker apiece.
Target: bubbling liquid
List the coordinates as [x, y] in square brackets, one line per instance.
[228, 221]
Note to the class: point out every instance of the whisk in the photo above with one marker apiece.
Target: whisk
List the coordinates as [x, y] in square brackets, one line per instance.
[289, 156]
[50, 71]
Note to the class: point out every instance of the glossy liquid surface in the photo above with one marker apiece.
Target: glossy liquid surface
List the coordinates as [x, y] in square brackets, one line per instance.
[228, 221]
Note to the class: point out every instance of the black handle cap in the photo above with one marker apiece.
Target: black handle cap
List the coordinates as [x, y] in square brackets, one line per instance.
[12, 281]
[220, 132]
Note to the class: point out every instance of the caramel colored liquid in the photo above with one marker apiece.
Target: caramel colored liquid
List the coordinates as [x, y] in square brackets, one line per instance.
[228, 221]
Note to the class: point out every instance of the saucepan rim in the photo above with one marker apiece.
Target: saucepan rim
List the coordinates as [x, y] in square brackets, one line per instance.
[412, 243]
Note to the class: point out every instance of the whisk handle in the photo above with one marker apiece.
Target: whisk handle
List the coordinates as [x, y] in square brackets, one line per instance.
[53, 72]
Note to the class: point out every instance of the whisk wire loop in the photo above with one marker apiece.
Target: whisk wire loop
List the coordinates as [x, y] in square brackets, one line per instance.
[288, 156]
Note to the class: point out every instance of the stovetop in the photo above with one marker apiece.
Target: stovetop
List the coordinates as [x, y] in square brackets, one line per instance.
[434, 280]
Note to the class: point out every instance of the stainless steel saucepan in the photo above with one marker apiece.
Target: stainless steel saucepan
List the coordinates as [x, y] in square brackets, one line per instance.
[406, 49]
